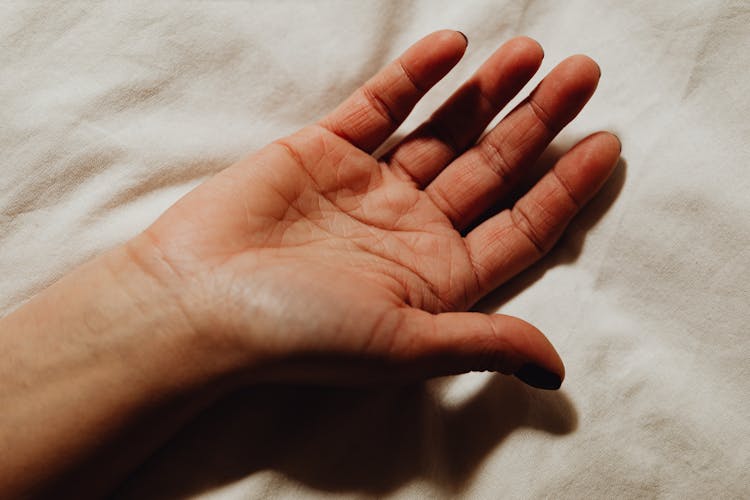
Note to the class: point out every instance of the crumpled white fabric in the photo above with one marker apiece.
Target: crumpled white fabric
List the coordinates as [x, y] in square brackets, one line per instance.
[111, 111]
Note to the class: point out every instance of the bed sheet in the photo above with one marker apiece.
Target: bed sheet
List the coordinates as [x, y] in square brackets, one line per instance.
[111, 111]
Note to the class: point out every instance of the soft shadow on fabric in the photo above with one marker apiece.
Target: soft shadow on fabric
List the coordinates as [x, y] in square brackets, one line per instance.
[368, 441]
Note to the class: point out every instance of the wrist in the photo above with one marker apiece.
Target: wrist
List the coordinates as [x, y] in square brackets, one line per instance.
[116, 309]
[105, 350]
[154, 301]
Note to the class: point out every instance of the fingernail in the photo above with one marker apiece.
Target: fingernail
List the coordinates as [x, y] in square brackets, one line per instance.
[618, 142]
[465, 37]
[538, 377]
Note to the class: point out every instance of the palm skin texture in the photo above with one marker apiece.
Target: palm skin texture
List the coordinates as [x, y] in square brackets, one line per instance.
[316, 261]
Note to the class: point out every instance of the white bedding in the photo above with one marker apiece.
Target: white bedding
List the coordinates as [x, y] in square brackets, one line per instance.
[110, 112]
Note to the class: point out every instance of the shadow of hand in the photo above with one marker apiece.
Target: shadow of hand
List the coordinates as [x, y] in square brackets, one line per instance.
[370, 441]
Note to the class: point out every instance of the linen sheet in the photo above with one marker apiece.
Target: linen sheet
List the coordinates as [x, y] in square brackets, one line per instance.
[111, 111]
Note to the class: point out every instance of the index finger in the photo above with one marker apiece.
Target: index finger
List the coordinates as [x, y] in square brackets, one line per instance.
[376, 109]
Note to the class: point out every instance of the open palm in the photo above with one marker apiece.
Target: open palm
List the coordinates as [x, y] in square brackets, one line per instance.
[322, 262]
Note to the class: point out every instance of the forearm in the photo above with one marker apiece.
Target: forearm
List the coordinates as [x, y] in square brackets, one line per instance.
[97, 371]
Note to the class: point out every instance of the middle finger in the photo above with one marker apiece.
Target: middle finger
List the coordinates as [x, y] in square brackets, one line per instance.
[457, 124]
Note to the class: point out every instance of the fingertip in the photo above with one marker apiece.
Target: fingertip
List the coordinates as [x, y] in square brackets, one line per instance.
[585, 64]
[526, 55]
[564, 92]
[588, 165]
[580, 70]
[605, 143]
[432, 57]
[540, 363]
[526, 44]
[428, 60]
[451, 39]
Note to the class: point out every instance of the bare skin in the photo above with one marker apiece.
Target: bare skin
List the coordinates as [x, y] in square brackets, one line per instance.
[311, 261]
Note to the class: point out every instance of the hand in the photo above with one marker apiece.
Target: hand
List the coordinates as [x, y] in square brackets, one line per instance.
[310, 261]
[313, 260]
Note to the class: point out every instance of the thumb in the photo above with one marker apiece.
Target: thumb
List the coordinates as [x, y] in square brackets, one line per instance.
[451, 343]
